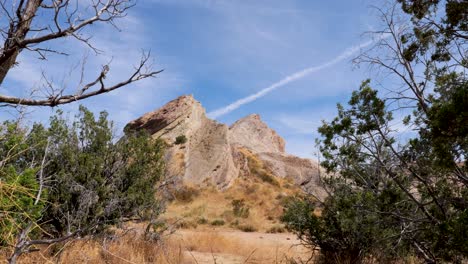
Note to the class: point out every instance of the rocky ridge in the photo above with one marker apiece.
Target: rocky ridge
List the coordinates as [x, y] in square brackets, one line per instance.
[214, 154]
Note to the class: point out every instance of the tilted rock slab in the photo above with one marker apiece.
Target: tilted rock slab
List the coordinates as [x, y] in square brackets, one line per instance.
[206, 156]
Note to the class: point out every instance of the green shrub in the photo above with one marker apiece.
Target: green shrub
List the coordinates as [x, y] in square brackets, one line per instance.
[276, 229]
[217, 222]
[185, 194]
[91, 180]
[347, 235]
[182, 139]
[247, 228]
[235, 223]
[185, 224]
[202, 221]
[240, 209]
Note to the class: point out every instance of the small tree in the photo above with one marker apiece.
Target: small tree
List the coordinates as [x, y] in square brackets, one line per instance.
[414, 191]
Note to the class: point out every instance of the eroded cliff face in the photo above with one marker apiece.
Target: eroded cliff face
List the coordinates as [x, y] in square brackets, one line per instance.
[214, 154]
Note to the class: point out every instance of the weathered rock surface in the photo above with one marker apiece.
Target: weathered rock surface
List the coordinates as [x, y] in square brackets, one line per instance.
[253, 133]
[212, 156]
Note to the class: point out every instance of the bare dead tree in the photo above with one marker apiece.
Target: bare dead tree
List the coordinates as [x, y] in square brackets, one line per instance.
[31, 24]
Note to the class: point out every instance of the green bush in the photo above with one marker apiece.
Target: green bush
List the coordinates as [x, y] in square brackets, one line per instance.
[344, 236]
[91, 181]
[217, 222]
[186, 224]
[247, 228]
[182, 139]
[276, 229]
[240, 209]
[185, 194]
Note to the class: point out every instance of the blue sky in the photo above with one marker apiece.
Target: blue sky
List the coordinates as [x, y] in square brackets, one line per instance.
[220, 51]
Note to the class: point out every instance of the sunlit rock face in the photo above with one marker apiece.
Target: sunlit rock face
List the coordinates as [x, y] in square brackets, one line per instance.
[253, 133]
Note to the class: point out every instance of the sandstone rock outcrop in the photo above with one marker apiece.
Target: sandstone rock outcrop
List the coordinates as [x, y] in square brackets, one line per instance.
[206, 156]
[213, 153]
[254, 134]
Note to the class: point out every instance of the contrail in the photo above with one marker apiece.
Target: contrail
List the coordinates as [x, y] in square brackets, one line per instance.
[293, 77]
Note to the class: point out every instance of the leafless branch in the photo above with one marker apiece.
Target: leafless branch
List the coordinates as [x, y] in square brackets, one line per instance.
[68, 18]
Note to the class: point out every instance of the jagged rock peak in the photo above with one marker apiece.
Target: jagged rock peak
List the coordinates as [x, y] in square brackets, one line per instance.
[253, 133]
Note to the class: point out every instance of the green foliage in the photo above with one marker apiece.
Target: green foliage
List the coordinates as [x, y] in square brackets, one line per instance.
[99, 182]
[240, 209]
[202, 221]
[185, 194]
[75, 177]
[276, 229]
[182, 139]
[18, 184]
[403, 197]
[431, 29]
[374, 206]
[247, 228]
[218, 222]
[344, 234]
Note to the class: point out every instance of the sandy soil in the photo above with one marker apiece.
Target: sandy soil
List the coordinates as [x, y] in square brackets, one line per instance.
[233, 246]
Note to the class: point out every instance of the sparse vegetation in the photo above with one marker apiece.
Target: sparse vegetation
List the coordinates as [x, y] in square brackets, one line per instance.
[258, 169]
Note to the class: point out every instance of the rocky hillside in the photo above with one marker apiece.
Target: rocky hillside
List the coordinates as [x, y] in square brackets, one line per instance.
[203, 152]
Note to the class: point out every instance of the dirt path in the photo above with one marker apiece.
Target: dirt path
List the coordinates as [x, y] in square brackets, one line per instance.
[233, 246]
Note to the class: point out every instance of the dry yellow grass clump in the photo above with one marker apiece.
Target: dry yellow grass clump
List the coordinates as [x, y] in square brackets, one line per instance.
[126, 249]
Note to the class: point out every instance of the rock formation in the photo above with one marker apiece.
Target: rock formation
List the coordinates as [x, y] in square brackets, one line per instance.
[212, 152]
[254, 134]
[206, 156]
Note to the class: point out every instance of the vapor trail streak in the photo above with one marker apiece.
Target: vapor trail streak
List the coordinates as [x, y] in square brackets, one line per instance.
[293, 77]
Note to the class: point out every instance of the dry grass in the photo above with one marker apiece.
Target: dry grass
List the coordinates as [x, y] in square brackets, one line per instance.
[246, 247]
[262, 198]
[181, 247]
[124, 250]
